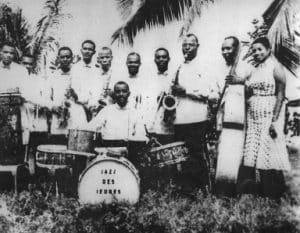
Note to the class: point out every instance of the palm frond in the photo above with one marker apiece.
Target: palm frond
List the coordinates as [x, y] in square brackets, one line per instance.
[278, 18]
[143, 14]
[193, 12]
[14, 28]
[44, 35]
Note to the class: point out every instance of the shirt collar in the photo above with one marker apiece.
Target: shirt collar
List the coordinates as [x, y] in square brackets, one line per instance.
[105, 73]
[5, 66]
[165, 73]
[122, 108]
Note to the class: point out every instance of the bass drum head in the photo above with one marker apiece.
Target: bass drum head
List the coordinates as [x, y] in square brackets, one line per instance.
[108, 180]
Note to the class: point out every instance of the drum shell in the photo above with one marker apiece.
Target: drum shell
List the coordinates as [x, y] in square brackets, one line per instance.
[168, 154]
[54, 156]
[11, 150]
[81, 140]
[107, 168]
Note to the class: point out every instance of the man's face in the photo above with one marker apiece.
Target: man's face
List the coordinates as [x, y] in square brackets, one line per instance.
[189, 48]
[133, 64]
[28, 62]
[104, 58]
[87, 51]
[161, 59]
[121, 93]
[65, 58]
[7, 54]
[228, 51]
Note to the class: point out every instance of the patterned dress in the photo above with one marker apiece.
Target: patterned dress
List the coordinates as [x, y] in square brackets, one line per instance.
[261, 151]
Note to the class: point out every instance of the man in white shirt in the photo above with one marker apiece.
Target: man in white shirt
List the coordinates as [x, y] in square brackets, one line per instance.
[36, 94]
[231, 116]
[66, 113]
[193, 89]
[86, 81]
[13, 131]
[159, 84]
[119, 123]
[135, 81]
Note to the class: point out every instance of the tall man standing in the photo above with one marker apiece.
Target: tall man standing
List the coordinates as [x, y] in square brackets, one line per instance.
[85, 81]
[231, 117]
[135, 81]
[66, 112]
[13, 130]
[193, 90]
[104, 60]
[159, 85]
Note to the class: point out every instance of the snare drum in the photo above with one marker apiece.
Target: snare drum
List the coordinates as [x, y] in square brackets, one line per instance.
[54, 157]
[81, 140]
[109, 179]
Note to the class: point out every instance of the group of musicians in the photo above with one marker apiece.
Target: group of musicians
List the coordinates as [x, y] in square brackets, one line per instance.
[126, 109]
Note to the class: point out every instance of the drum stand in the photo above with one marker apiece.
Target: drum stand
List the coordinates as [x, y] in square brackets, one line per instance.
[13, 169]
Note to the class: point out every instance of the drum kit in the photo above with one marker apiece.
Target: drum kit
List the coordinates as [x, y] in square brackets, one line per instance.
[107, 176]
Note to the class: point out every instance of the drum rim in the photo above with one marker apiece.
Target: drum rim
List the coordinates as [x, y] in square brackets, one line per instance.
[82, 130]
[41, 149]
[155, 149]
[118, 160]
[108, 149]
[86, 154]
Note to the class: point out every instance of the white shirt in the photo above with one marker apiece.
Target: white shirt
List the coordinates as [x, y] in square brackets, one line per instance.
[12, 77]
[86, 82]
[116, 123]
[36, 94]
[192, 77]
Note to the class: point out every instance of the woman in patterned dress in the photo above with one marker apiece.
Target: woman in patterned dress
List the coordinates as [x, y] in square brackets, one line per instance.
[265, 154]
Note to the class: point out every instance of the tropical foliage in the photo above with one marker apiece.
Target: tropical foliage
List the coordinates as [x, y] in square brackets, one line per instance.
[277, 26]
[142, 14]
[14, 28]
[46, 36]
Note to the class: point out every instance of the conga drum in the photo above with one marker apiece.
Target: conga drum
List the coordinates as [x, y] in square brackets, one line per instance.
[109, 179]
[81, 140]
[11, 150]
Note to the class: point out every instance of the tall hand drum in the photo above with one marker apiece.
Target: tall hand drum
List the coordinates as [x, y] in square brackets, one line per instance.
[11, 150]
[109, 179]
[81, 140]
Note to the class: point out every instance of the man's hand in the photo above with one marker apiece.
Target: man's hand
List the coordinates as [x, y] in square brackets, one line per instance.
[232, 80]
[272, 131]
[178, 90]
[200, 97]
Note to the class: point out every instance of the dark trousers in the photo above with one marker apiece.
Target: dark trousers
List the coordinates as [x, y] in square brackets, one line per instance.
[265, 183]
[195, 171]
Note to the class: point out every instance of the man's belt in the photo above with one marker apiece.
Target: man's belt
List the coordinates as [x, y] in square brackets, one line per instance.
[233, 125]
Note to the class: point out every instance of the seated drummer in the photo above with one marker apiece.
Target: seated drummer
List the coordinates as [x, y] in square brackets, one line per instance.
[120, 124]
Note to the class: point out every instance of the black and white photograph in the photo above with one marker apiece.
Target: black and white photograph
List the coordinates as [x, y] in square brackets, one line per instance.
[150, 116]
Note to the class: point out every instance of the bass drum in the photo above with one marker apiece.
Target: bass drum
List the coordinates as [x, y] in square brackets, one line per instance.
[107, 180]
